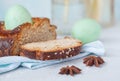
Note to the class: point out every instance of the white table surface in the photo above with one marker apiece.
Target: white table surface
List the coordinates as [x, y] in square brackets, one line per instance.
[110, 71]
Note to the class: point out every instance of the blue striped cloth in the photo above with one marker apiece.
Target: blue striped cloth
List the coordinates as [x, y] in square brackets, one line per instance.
[10, 63]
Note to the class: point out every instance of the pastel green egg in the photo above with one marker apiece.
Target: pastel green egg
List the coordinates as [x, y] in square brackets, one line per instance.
[86, 30]
[16, 16]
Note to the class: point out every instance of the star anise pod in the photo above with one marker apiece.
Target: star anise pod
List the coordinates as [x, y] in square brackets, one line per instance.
[93, 60]
[70, 70]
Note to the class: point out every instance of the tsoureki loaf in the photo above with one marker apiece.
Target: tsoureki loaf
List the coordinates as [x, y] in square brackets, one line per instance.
[39, 30]
[52, 49]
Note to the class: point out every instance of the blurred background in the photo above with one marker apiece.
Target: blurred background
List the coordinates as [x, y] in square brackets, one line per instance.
[64, 13]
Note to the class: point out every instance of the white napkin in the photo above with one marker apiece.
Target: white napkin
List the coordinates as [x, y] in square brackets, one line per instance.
[10, 63]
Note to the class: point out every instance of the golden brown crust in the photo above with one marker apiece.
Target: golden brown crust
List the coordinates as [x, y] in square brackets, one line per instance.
[8, 33]
[37, 19]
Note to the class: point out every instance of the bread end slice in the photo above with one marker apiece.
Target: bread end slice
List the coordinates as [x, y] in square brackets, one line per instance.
[51, 50]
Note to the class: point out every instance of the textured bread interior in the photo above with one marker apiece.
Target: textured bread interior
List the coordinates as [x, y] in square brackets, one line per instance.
[52, 45]
[35, 34]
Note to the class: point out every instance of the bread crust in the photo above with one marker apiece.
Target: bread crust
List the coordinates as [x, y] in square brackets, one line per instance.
[5, 46]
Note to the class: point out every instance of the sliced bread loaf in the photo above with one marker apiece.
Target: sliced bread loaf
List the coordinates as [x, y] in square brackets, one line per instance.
[39, 30]
[53, 49]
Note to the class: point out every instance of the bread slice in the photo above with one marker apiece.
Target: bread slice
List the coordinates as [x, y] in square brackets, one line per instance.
[53, 49]
[39, 30]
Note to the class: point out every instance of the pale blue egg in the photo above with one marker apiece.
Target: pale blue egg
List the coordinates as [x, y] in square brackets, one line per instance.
[16, 16]
[86, 30]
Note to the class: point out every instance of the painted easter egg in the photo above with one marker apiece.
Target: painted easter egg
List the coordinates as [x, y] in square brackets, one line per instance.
[16, 16]
[86, 30]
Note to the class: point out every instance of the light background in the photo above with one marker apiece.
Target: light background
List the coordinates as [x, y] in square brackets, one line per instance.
[37, 8]
[117, 10]
[41, 8]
